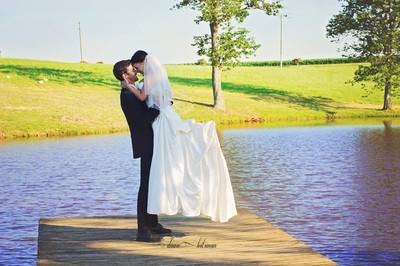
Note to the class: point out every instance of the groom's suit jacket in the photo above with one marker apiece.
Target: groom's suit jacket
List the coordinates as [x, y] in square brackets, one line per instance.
[139, 118]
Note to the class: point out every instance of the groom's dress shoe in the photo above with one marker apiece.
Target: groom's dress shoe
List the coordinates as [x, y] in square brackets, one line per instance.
[159, 229]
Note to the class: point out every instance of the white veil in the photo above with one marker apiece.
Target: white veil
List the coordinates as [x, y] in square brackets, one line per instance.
[156, 84]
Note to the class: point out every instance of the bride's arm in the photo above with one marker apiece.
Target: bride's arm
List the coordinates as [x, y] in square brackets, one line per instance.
[140, 95]
[156, 98]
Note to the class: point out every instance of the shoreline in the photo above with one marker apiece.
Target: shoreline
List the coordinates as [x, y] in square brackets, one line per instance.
[63, 99]
[221, 125]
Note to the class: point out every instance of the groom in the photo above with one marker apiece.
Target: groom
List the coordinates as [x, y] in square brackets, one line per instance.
[140, 119]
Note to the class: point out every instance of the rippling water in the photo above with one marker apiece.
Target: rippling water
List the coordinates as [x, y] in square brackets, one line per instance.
[336, 188]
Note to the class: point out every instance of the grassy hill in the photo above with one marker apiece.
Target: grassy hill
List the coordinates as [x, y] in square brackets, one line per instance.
[42, 98]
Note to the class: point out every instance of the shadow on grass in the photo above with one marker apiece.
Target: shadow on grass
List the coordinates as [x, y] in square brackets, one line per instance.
[259, 93]
[196, 103]
[61, 76]
[65, 76]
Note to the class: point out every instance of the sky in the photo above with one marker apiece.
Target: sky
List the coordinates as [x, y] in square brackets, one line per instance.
[114, 29]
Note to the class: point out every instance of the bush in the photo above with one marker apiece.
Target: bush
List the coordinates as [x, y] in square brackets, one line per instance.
[304, 62]
[202, 61]
[297, 61]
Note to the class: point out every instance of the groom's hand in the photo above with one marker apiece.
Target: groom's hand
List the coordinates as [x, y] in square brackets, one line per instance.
[124, 84]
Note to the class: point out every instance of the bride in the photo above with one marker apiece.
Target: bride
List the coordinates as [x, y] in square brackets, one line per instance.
[188, 172]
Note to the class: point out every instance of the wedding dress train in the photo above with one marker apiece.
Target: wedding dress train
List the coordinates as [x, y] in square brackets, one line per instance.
[188, 172]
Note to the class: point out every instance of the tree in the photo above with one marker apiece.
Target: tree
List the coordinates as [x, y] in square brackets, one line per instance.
[225, 46]
[372, 28]
[297, 61]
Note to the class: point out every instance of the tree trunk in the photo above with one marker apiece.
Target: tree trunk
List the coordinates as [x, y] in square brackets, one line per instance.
[387, 102]
[217, 91]
[216, 70]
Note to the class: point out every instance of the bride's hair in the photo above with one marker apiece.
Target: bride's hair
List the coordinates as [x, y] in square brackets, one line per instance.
[138, 56]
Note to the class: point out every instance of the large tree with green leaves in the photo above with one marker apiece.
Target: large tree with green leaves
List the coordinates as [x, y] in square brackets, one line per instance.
[225, 45]
[371, 30]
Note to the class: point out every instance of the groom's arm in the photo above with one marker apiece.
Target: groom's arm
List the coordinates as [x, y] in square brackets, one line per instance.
[136, 112]
[149, 116]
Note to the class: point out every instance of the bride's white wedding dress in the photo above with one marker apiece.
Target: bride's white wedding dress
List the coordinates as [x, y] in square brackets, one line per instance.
[188, 172]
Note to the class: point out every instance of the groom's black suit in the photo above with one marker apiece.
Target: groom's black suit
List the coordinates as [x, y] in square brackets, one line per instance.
[140, 118]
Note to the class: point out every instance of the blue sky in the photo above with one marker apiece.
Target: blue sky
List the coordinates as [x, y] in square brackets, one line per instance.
[113, 30]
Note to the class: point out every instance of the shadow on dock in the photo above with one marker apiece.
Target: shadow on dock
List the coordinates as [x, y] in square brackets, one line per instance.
[245, 239]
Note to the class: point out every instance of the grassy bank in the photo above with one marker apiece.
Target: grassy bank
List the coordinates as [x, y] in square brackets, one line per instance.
[41, 98]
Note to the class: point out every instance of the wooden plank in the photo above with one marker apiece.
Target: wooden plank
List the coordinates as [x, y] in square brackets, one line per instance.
[245, 239]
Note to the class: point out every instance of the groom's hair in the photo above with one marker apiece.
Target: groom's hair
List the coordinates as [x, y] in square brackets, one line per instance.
[120, 68]
[138, 56]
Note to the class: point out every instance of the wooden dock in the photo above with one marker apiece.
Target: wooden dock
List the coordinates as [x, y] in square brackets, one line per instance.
[245, 239]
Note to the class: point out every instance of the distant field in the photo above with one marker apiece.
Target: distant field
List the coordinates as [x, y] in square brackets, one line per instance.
[304, 62]
[42, 98]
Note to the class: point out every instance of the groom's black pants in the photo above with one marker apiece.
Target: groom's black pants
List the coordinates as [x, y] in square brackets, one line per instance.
[143, 218]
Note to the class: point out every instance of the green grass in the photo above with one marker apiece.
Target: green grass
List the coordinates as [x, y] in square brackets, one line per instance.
[84, 98]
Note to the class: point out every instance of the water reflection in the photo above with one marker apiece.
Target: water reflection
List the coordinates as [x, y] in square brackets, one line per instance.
[378, 188]
[335, 187]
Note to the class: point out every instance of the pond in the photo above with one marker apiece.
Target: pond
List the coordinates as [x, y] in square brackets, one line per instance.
[335, 187]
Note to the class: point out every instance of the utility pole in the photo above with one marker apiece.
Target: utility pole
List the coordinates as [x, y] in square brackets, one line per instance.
[281, 49]
[80, 40]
